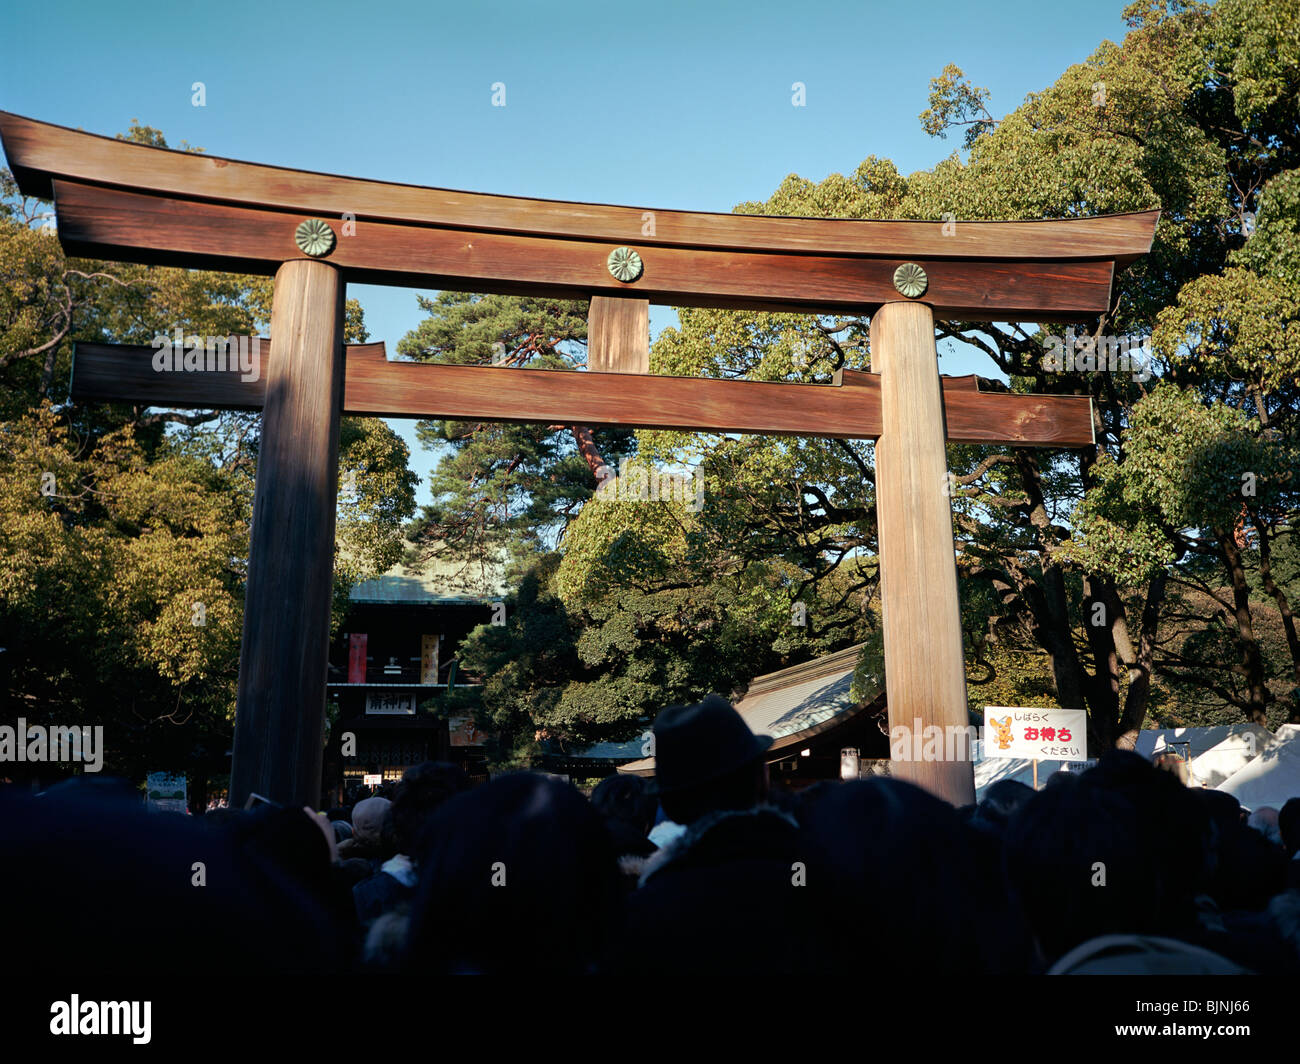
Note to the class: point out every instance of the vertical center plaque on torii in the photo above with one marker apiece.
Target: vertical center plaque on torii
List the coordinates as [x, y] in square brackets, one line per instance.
[124, 201]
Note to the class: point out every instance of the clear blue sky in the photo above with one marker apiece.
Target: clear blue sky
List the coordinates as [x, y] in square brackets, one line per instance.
[673, 104]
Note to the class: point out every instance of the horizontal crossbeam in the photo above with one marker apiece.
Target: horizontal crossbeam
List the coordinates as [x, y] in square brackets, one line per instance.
[39, 152]
[374, 386]
[136, 203]
[95, 221]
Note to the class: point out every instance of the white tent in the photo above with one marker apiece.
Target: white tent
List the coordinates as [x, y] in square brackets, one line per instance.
[1225, 759]
[1155, 741]
[1273, 776]
[992, 769]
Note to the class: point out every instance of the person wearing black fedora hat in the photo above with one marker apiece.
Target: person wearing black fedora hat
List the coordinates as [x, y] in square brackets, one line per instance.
[722, 897]
[707, 759]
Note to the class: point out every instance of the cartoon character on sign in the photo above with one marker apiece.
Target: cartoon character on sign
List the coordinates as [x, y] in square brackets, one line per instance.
[1003, 729]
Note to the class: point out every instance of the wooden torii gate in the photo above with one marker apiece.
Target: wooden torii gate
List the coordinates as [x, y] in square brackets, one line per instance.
[315, 232]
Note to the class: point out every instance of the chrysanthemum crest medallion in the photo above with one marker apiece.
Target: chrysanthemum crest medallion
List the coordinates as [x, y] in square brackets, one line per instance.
[314, 238]
[911, 280]
[624, 264]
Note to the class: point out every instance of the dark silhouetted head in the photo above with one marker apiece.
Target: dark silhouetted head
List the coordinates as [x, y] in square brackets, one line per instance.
[422, 790]
[240, 894]
[1288, 823]
[1000, 802]
[888, 847]
[519, 876]
[707, 760]
[1122, 849]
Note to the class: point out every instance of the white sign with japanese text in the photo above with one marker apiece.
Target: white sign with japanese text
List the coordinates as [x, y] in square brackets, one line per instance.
[1036, 733]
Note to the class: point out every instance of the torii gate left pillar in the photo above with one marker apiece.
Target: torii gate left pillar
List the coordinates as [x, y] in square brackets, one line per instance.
[284, 654]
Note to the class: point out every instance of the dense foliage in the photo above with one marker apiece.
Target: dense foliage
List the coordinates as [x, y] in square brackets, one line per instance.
[1154, 575]
[124, 531]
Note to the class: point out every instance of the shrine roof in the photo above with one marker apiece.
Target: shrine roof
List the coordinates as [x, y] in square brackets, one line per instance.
[794, 704]
[435, 580]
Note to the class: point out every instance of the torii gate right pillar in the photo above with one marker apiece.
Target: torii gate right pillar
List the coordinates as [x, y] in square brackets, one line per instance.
[925, 670]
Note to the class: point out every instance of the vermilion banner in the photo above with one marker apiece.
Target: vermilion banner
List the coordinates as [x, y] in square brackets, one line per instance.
[357, 657]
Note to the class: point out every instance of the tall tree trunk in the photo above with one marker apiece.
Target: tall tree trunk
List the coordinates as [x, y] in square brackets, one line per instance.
[1251, 660]
[1140, 665]
[1099, 627]
[1049, 605]
[47, 371]
[1279, 596]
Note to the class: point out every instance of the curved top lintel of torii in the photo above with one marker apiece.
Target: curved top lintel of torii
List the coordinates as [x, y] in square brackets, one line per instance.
[116, 198]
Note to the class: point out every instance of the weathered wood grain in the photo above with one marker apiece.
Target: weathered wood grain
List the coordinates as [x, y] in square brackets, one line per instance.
[618, 335]
[284, 653]
[99, 222]
[848, 409]
[924, 666]
[39, 152]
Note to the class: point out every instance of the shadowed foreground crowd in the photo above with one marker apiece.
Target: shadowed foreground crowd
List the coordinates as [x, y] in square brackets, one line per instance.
[703, 871]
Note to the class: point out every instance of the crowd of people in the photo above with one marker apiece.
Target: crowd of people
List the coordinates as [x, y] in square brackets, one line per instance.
[705, 869]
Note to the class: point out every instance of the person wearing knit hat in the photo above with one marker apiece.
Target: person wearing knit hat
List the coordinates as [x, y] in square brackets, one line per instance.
[372, 833]
[368, 820]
